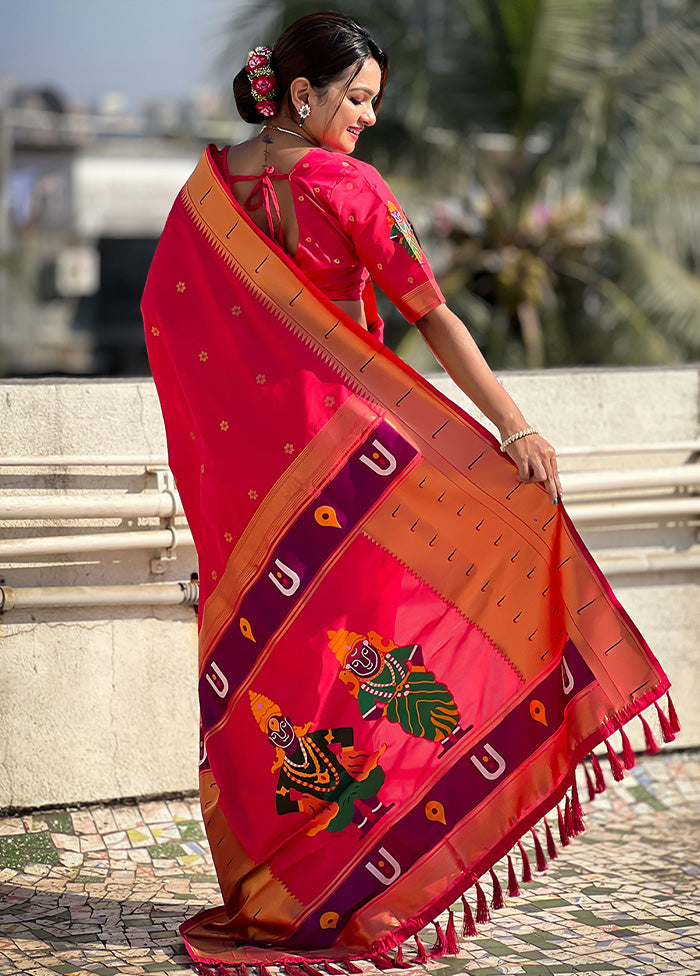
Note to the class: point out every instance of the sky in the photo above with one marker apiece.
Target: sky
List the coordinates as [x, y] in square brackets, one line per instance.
[143, 48]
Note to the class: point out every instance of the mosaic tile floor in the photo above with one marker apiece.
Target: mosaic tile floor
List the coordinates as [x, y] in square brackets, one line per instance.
[101, 890]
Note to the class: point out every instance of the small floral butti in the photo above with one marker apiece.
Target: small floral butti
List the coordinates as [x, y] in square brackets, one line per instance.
[263, 83]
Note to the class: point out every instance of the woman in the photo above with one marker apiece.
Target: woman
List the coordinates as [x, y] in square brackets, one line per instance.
[405, 650]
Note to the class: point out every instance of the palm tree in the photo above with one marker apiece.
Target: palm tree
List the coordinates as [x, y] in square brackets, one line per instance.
[562, 135]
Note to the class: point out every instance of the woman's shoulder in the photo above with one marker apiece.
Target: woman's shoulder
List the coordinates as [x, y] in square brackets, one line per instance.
[332, 167]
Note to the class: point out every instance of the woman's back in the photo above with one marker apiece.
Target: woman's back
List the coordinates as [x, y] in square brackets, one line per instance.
[336, 218]
[265, 178]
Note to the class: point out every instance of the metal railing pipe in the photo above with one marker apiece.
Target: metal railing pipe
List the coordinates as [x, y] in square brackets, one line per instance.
[165, 504]
[654, 510]
[684, 476]
[83, 460]
[57, 545]
[134, 594]
[661, 447]
[651, 562]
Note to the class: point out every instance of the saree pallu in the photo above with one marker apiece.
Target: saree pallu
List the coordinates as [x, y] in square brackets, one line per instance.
[404, 651]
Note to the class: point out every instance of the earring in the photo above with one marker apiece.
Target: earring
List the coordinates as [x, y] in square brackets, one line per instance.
[304, 113]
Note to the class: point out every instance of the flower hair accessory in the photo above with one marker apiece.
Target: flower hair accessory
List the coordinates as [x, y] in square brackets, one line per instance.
[263, 83]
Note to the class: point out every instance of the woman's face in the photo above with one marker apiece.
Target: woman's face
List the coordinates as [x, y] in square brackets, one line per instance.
[339, 114]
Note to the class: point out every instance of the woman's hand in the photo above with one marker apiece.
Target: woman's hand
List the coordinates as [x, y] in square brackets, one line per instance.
[536, 461]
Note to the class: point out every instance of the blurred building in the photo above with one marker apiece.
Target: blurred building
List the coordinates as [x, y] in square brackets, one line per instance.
[84, 199]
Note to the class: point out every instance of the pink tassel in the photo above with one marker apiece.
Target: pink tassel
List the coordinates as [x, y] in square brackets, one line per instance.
[291, 969]
[331, 970]
[527, 870]
[539, 853]
[482, 908]
[589, 783]
[513, 886]
[598, 773]
[672, 714]
[243, 969]
[382, 961]
[497, 899]
[576, 810]
[398, 959]
[440, 947]
[351, 966]
[615, 764]
[421, 954]
[569, 818]
[264, 971]
[451, 936]
[628, 757]
[667, 732]
[649, 741]
[563, 833]
[551, 846]
[308, 969]
[468, 926]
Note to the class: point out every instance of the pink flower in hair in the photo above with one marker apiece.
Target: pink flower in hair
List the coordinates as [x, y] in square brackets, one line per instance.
[263, 85]
[259, 57]
[256, 61]
[268, 109]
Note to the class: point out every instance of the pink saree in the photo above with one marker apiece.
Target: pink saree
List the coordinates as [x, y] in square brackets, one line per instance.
[404, 652]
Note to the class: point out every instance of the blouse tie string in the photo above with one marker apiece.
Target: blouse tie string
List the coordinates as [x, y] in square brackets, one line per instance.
[263, 195]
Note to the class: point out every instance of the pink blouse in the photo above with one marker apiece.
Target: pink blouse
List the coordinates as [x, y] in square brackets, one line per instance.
[350, 228]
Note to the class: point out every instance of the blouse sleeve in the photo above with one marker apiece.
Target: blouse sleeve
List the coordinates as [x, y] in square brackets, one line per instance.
[384, 240]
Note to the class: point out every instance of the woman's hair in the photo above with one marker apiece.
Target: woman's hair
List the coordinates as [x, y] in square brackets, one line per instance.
[320, 47]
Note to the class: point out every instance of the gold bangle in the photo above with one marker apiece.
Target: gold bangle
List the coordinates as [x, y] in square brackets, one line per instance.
[516, 437]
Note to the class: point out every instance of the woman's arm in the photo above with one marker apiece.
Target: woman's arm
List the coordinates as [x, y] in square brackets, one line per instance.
[454, 348]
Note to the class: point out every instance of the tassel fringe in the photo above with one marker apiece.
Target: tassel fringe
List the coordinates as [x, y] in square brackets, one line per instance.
[563, 832]
[589, 783]
[551, 846]
[576, 809]
[629, 759]
[649, 740]
[569, 818]
[540, 859]
[497, 898]
[291, 969]
[513, 886]
[382, 961]
[672, 716]
[468, 926]
[482, 908]
[527, 870]
[615, 764]
[598, 773]
[439, 949]
[421, 954]
[451, 936]
[667, 732]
